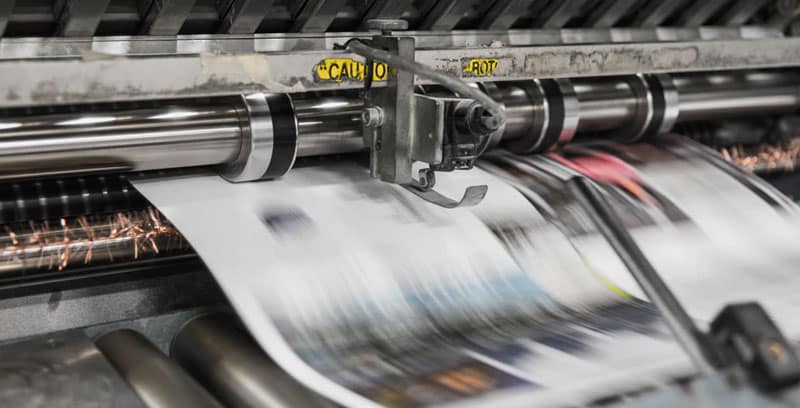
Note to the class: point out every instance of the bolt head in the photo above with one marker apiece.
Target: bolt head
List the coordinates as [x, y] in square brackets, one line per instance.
[372, 116]
[386, 24]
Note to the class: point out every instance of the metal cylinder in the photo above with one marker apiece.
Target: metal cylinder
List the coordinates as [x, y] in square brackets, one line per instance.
[731, 95]
[230, 364]
[159, 381]
[176, 135]
[213, 132]
[605, 103]
[179, 134]
[527, 115]
[328, 125]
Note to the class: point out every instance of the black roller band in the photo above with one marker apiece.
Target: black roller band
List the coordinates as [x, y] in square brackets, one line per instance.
[659, 107]
[530, 141]
[556, 114]
[284, 128]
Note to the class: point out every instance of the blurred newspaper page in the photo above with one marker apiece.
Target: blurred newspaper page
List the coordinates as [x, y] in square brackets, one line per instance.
[371, 296]
[715, 233]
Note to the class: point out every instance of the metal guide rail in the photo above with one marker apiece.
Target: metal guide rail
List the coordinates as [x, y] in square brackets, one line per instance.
[97, 78]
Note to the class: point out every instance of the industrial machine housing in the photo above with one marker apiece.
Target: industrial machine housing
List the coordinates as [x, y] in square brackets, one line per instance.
[94, 92]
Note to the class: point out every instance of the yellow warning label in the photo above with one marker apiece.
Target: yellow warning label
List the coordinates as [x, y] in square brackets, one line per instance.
[482, 67]
[347, 69]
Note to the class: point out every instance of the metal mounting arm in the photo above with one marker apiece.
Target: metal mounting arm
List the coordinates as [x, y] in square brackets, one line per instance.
[402, 127]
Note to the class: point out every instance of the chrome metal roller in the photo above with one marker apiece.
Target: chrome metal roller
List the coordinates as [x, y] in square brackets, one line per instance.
[269, 141]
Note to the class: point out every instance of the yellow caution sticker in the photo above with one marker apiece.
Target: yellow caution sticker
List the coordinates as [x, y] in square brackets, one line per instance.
[481, 67]
[348, 69]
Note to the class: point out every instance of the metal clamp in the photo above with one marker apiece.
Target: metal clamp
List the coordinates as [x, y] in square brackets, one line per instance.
[269, 139]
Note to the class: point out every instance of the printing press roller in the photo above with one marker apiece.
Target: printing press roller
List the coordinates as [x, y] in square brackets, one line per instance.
[260, 135]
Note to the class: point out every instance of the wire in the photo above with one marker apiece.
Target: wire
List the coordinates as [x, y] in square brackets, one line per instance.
[497, 110]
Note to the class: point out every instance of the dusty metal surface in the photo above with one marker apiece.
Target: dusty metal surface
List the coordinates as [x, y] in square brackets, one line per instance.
[61, 371]
[90, 47]
[63, 301]
[62, 81]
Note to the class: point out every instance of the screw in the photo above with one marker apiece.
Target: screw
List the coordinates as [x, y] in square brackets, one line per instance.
[372, 116]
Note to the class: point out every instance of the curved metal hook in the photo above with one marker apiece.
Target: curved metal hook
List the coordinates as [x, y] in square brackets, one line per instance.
[472, 196]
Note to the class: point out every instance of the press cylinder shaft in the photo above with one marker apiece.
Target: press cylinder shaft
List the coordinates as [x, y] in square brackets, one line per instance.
[260, 135]
[225, 360]
[159, 381]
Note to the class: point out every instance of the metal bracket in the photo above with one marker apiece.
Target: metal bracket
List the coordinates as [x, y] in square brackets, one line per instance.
[402, 127]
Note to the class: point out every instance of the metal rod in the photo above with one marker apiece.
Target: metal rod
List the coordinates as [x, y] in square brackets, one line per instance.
[604, 104]
[124, 138]
[176, 135]
[676, 318]
[159, 381]
[328, 125]
[730, 95]
[225, 360]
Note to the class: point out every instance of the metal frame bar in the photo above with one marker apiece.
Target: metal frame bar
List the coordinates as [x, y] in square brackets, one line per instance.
[166, 17]
[504, 13]
[317, 15]
[609, 12]
[65, 81]
[656, 12]
[244, 16]
[79, 18]
[28, 48]
[699, 12]
[741, 11]
[446, 14]
[6, 7]
[558, 13]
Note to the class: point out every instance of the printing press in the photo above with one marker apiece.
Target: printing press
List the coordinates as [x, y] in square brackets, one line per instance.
[108, 298]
